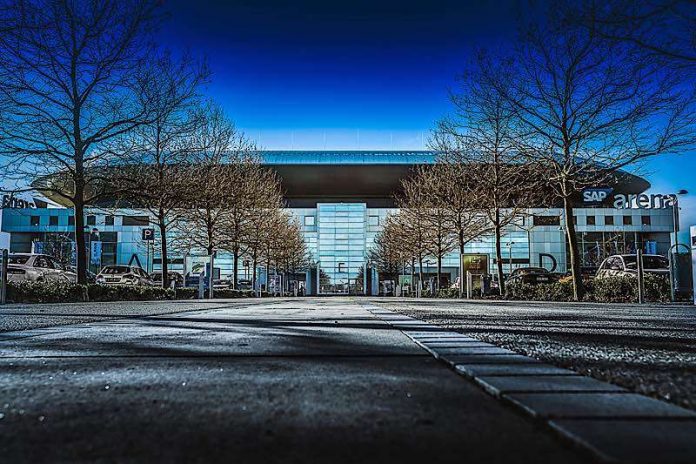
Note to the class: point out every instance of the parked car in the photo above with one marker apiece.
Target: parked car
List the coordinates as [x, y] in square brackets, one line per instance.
[91, 276]
[36, 268]
[531, 276]
[175, 278]
[123, 275]
[627, 266]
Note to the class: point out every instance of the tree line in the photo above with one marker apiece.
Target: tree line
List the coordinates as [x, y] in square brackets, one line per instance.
[588, 90]
[93, 110]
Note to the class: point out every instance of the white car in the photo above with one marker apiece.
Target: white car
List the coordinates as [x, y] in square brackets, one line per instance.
[626, 266]
[123, 275]
[37, 268]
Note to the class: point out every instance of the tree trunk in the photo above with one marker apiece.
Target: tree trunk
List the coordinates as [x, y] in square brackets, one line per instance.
[163, 255]
[439, 272]
[578, 290]
[499, 253]
[253, 272]
[211, 275]
[420, 274]
[235, 269]
[80, 242]
[460, 287]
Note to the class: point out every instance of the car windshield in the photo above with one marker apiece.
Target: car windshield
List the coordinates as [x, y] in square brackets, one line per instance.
[17, 259]
[531, 270]
[116, 270]
[649, 262]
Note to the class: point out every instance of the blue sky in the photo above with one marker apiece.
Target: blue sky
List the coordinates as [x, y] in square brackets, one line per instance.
[358, 74]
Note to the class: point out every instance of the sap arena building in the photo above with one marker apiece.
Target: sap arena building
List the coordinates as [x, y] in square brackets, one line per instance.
[341, 200]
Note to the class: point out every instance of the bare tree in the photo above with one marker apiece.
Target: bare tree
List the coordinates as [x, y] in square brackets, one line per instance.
[263, 221]
[423, 208]
[161, 150]
[256, 191]
[388, 254]
[70, 81]
[588, 108]
[220, 154]
[664, 29]
[484, 178]
[283, 247]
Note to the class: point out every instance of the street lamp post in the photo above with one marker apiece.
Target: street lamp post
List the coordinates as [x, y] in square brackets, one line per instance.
[674, 249]
[509, 246]
[90, 233]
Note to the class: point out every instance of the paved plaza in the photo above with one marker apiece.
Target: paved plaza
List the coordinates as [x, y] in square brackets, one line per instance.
[299, 380]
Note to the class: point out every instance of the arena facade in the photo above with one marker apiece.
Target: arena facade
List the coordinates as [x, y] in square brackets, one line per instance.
[341, 200]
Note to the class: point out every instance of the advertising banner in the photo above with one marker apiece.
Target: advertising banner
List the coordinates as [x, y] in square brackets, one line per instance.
[95, 252]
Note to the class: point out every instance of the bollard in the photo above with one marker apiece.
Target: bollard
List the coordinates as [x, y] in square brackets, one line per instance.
[201, 286]
[3, 285]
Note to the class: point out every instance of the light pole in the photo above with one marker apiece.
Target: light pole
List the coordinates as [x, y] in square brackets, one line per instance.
[509, 246]
[674, 249]
[93, 233]
[427, 271]
[675, 216]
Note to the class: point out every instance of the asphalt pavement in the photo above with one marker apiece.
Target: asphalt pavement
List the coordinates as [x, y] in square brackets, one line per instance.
[648, 349]
[273, 380]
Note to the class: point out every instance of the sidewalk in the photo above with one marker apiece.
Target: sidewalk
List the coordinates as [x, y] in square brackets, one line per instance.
[297, 380]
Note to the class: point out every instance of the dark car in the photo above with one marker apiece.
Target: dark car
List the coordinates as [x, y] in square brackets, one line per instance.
[531, 276]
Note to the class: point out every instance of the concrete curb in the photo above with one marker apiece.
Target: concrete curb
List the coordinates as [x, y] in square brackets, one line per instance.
[613, 424]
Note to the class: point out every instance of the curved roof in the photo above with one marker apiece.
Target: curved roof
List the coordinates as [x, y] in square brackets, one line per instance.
[373, 177]
[347, 157]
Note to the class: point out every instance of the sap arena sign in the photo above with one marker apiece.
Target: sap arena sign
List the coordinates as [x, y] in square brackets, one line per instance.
[644, 201]
[12, 202]
[598, 196]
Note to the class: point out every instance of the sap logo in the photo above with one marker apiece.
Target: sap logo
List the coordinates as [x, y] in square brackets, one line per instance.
[596, 195]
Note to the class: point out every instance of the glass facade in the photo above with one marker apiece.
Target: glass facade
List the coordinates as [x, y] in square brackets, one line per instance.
[339, 236]
[341, 240]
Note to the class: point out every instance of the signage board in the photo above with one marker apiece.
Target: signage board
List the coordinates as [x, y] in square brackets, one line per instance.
[596, 196]
[13, 202]
[95, 252]
[474, 263]
[148, 234]
[600, 195]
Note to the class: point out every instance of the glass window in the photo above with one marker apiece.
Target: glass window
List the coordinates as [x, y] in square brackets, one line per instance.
[53, 220]
[71, 220]
[42, 262]
[373, 220]
[649, 262]
[547, 220]
[645, 220]
[109, 220]
[309, 220]
[590, 220]
[609, 220]
[34, 220]
[17, 259]
[628, 220]
[91, 220]
[135, 220]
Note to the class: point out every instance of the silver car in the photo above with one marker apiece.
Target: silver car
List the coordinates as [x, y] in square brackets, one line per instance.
[626, 266]
[123, 275]
[37, 268]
